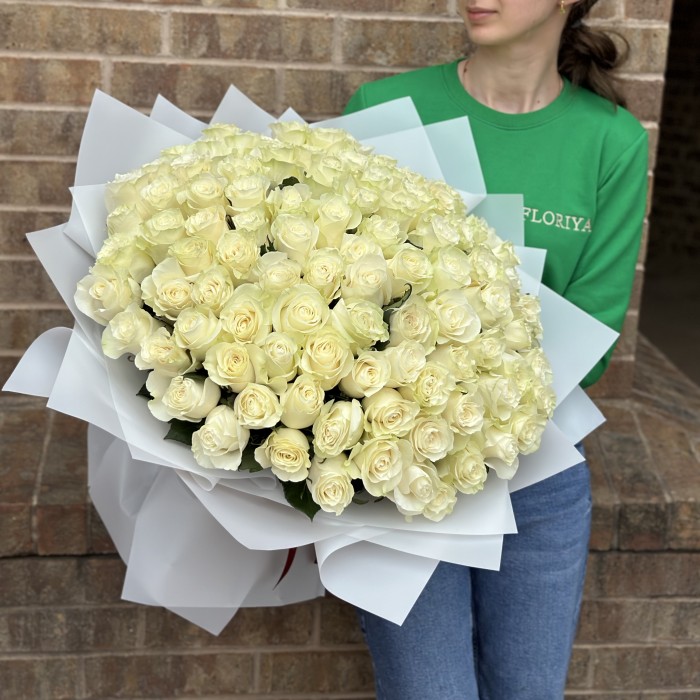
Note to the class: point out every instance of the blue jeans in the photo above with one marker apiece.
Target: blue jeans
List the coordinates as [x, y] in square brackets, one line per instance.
[496, 635]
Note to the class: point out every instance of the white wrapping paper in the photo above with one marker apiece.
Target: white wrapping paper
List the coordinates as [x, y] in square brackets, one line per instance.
[204, 545]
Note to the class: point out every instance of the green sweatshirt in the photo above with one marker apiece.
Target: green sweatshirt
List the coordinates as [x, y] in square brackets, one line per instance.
[581, 165]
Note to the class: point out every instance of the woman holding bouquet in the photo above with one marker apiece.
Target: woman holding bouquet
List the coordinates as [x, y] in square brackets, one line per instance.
[547, 122]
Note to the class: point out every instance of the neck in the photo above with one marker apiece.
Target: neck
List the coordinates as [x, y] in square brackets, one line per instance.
[509, 83]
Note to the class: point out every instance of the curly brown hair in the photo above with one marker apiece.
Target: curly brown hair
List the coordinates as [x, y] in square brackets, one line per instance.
[588, 57]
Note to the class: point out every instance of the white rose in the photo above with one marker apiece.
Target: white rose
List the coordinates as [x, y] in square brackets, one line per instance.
[334, 217]
[464, 413]
[500, 451]
[295, 235]
[443, 502]
[324, 271]
[193, 254]
[276, 273]
[410, 265]
[253, 221]
[238, 252]
[485, 265]
[105, 292]
[361, 322]
[196, 330]
[452, 269]
[162, 230]
[245, 317]
[302, 402]
[367, 278]
[206, 190]
[233, 365]
[380, 463]
[527, 427]
[124, 220]
[516, 335]
[387, 232]
[282, 355]
[327, 358]
[158, 195]
[432, 388]
[500, 395]
[168, 290]
[407, 359]
[487, 349]
[431, 437]
[388, 413]
[338, 427]
[457, 320]
[370, 372]
[331, 486]
[414, 320]
[160, 352]
[185, 398]
[355, 246]
[220, 442]
[257, 406]
[465, 470]
[496, 297]
[435, 231]
[126, 330]
[122, 252]
[299, 312]
[286, 453]
[417, 488]
[212, 288]
[247, 191]
[209, 223]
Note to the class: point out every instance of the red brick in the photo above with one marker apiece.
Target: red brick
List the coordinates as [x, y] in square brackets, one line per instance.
[190, 86]
[318, 93]
[45, 677]
[643, 97]
[401, 42]
[648, 9]
[24, 281]
[339, 623]
[40, 581]
[28, 27]
[21, 450]
[119, 676]
[30, 132]
[49, 80]
[20, 327]
[609, 621]
[416, 7]
[320, 672]
[14, 225]
[643, 574]
[16, 528]
[647, 49]
[61, 529]
[99, 541]
[635, 667]
[251, 627]
[102, 579]
[35, 182]
[252, 37]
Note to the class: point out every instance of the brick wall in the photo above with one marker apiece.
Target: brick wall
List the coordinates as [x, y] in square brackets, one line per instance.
[675, 237]
[310, 54]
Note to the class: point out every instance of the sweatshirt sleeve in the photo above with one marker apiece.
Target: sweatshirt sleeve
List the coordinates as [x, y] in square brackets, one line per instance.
[356, 102]
[602, 281]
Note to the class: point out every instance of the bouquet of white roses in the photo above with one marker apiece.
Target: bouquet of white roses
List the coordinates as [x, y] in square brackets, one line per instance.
[300, 310]
[306, 306]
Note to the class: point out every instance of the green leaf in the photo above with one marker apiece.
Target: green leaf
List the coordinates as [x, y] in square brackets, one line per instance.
[288, 182]
[248, 463]
[181, 430]
[298, 495]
